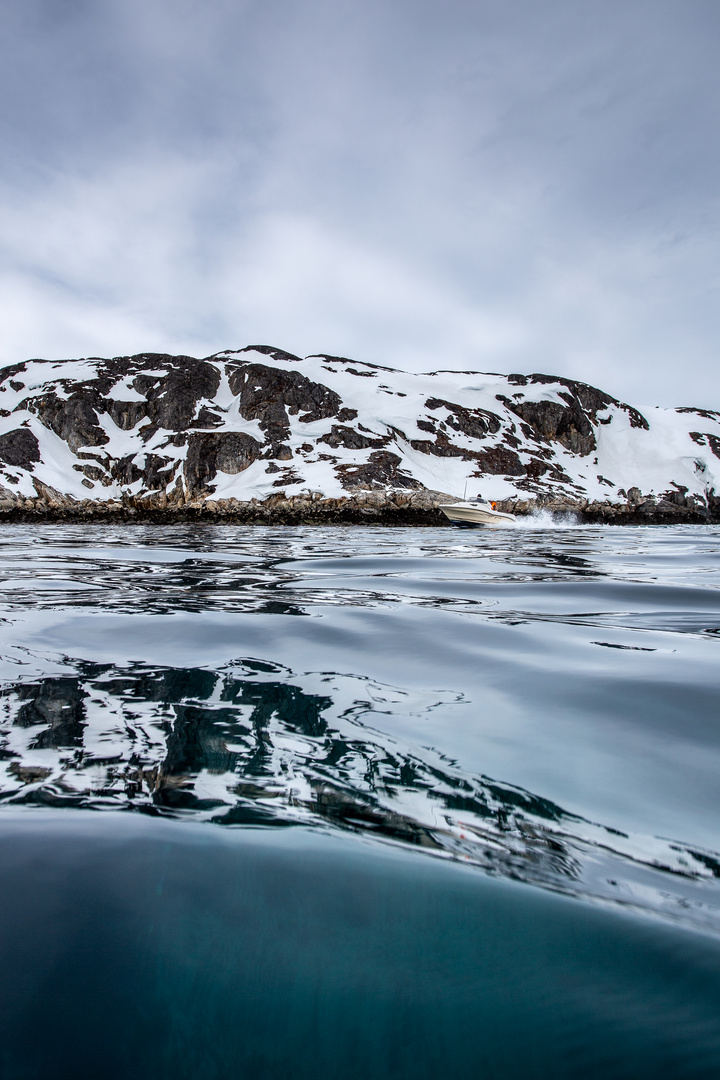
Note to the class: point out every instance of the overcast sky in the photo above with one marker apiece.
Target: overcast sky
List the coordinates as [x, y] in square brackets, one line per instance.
[502, 185]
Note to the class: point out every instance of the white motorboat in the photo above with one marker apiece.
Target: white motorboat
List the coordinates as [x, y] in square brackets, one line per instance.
[477, 512]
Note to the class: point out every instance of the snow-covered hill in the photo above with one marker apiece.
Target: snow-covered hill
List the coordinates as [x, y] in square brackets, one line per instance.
[251, 423]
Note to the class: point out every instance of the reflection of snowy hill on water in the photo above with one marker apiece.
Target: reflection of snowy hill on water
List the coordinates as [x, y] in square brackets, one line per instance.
[254, 744]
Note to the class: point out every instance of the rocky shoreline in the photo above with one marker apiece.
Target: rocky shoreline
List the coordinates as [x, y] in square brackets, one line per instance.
[382, 508]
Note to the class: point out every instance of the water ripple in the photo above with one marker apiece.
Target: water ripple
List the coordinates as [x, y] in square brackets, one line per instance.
[578, 666]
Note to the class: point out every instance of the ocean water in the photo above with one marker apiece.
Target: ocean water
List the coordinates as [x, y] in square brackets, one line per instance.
[388, 803]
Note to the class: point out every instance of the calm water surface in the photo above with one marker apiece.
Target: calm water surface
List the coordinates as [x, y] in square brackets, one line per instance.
[366, 802]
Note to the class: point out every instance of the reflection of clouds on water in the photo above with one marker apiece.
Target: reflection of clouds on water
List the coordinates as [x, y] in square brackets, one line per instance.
[255, 744]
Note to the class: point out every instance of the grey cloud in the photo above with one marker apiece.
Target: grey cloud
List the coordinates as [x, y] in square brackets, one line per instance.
[499, 185]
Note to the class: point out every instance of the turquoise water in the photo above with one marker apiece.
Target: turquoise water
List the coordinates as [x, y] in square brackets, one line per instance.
[359, 802]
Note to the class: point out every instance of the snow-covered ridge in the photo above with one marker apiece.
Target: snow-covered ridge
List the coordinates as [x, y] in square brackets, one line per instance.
[250, 423]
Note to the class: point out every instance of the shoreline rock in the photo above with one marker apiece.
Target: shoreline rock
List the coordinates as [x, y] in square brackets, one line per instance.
[382, 508]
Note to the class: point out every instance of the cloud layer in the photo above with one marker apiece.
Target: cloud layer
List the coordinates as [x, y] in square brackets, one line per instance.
[507, 186]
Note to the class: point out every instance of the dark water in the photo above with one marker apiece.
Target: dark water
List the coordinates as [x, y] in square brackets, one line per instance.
[360, 803]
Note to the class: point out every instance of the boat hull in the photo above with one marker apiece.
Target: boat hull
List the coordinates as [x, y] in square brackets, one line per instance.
[467, 514]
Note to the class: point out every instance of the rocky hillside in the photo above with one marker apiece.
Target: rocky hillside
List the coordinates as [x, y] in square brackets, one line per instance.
[259, 428]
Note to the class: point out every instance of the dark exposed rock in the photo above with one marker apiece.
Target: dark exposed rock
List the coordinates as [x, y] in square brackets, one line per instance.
[677, 497]
[92, 472]
[126, 414]
[588, 398]
[536, 467]
[206, 418]
[267, 394]
[349, 438]
[499, 460]
[156, 471]
[125, 471]
[270, 350]
[179, 438]
[594, 401]
[476, 423]
[289, 477]
[442, 447]
[549, 420]
[172, 400]
[172, 387]
[346, 360]
[74, 419]
[511, 439]
[704, 438]
[7, 372]
[212, 452]
[707, 414]
[496, 460]
[51, 498]
[381, 468]
[338, 359]
[19, 447]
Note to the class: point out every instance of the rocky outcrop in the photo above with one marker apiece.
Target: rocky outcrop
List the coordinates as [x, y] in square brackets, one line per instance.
[673, 508]
[382, 469]
[416, 506]
[19, 447]
[211, 452]
[259, 427]
[268, 394]
[553, 422]
[378, 507]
